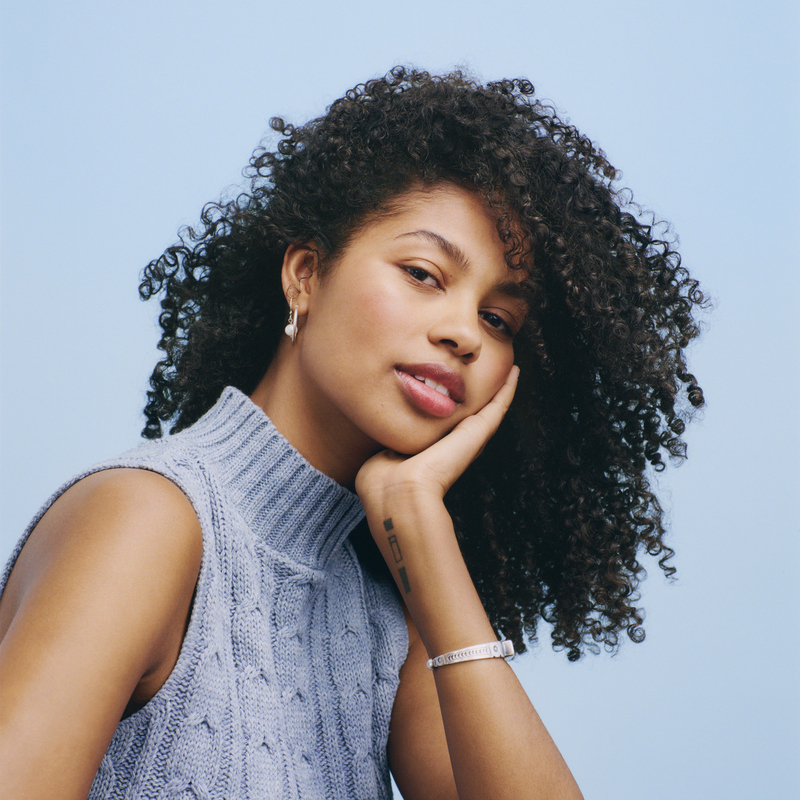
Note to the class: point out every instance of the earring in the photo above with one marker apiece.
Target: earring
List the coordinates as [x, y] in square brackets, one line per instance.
[291, 329]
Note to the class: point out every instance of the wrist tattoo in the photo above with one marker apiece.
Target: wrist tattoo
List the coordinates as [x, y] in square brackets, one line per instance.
[398, 556]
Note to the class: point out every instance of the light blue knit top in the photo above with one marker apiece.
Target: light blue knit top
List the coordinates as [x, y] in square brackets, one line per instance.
[285, 682]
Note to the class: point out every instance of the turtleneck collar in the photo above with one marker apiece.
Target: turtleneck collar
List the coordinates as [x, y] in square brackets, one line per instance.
[289, 504]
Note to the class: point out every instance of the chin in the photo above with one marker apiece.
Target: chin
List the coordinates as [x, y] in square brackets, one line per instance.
[414, 440]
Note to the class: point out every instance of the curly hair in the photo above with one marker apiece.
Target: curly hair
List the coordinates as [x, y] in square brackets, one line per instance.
[553, 517]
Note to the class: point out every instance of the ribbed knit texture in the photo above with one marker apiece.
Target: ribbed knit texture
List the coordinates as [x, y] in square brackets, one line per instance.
[285, 682]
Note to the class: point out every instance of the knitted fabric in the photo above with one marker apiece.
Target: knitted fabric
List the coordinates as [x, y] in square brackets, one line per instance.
[285, 682]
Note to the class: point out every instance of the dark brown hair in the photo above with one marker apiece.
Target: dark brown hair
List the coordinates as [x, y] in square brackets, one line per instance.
[554, 516]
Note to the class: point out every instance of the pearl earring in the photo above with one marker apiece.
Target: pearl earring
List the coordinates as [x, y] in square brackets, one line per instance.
[291, 329]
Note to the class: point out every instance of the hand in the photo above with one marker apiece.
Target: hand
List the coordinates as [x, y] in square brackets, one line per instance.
[467, 730]
[437, 467]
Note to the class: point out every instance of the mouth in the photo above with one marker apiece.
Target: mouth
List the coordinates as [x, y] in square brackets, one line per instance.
[437, 387]
[439, 377]
[434, 388]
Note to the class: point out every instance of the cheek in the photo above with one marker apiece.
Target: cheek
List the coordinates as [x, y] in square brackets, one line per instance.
[356, 324]
[497, 366]
[380, 316]
[380, 309]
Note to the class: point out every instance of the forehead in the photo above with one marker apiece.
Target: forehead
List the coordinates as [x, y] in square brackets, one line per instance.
[446, 217]
[443, 203]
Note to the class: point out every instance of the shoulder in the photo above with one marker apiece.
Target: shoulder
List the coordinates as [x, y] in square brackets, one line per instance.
[121, 509]
[113, 529]
[93, 616]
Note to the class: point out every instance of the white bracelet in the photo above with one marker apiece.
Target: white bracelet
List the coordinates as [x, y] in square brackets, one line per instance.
[503, 649]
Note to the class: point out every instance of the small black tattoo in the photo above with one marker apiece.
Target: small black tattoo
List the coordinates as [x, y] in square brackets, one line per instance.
[387, 523]
[393, 543]
[404, 578]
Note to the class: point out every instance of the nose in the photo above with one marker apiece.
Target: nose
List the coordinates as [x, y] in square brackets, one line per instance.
[459, 331]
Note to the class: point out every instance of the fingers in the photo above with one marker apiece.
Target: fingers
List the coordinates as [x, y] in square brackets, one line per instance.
[451, 455]
[439, 465]
[494, 411]
[485, 422]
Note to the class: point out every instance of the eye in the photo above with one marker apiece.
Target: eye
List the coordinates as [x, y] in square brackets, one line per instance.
[497, 322]
[422, 276]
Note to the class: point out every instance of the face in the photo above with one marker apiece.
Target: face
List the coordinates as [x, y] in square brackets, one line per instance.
[412, 328]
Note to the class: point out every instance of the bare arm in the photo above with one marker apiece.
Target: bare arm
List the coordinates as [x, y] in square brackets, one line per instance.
[93, 615]
[497, 745]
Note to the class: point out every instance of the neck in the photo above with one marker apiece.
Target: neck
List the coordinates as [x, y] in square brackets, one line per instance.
[326, 439]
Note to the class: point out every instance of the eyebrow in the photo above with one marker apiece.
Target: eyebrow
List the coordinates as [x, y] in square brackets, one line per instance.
[517, 290]
[452, 251]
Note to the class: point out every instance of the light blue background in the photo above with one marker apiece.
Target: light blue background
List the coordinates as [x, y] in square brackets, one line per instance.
[119, 120]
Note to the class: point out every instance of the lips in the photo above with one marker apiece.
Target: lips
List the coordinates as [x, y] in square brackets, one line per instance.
[434, 388]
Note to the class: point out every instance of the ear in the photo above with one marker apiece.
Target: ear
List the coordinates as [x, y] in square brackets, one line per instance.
[299, 274]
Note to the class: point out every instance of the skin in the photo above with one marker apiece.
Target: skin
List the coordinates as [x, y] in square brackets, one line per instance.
[393, 297]
[95, 610]
[92, 619]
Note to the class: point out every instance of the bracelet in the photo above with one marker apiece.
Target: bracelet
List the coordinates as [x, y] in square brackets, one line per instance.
[503, 649]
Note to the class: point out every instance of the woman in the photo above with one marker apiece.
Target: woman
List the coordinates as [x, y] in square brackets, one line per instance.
[205, 617]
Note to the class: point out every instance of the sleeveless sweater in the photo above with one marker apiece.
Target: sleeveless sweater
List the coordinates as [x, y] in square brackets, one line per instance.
[287, 674]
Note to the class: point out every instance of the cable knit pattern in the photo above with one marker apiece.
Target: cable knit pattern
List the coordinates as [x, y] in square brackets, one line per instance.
[285, 682]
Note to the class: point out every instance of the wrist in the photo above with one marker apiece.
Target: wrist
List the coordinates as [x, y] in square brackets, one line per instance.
[415, 535]
[494, 649]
